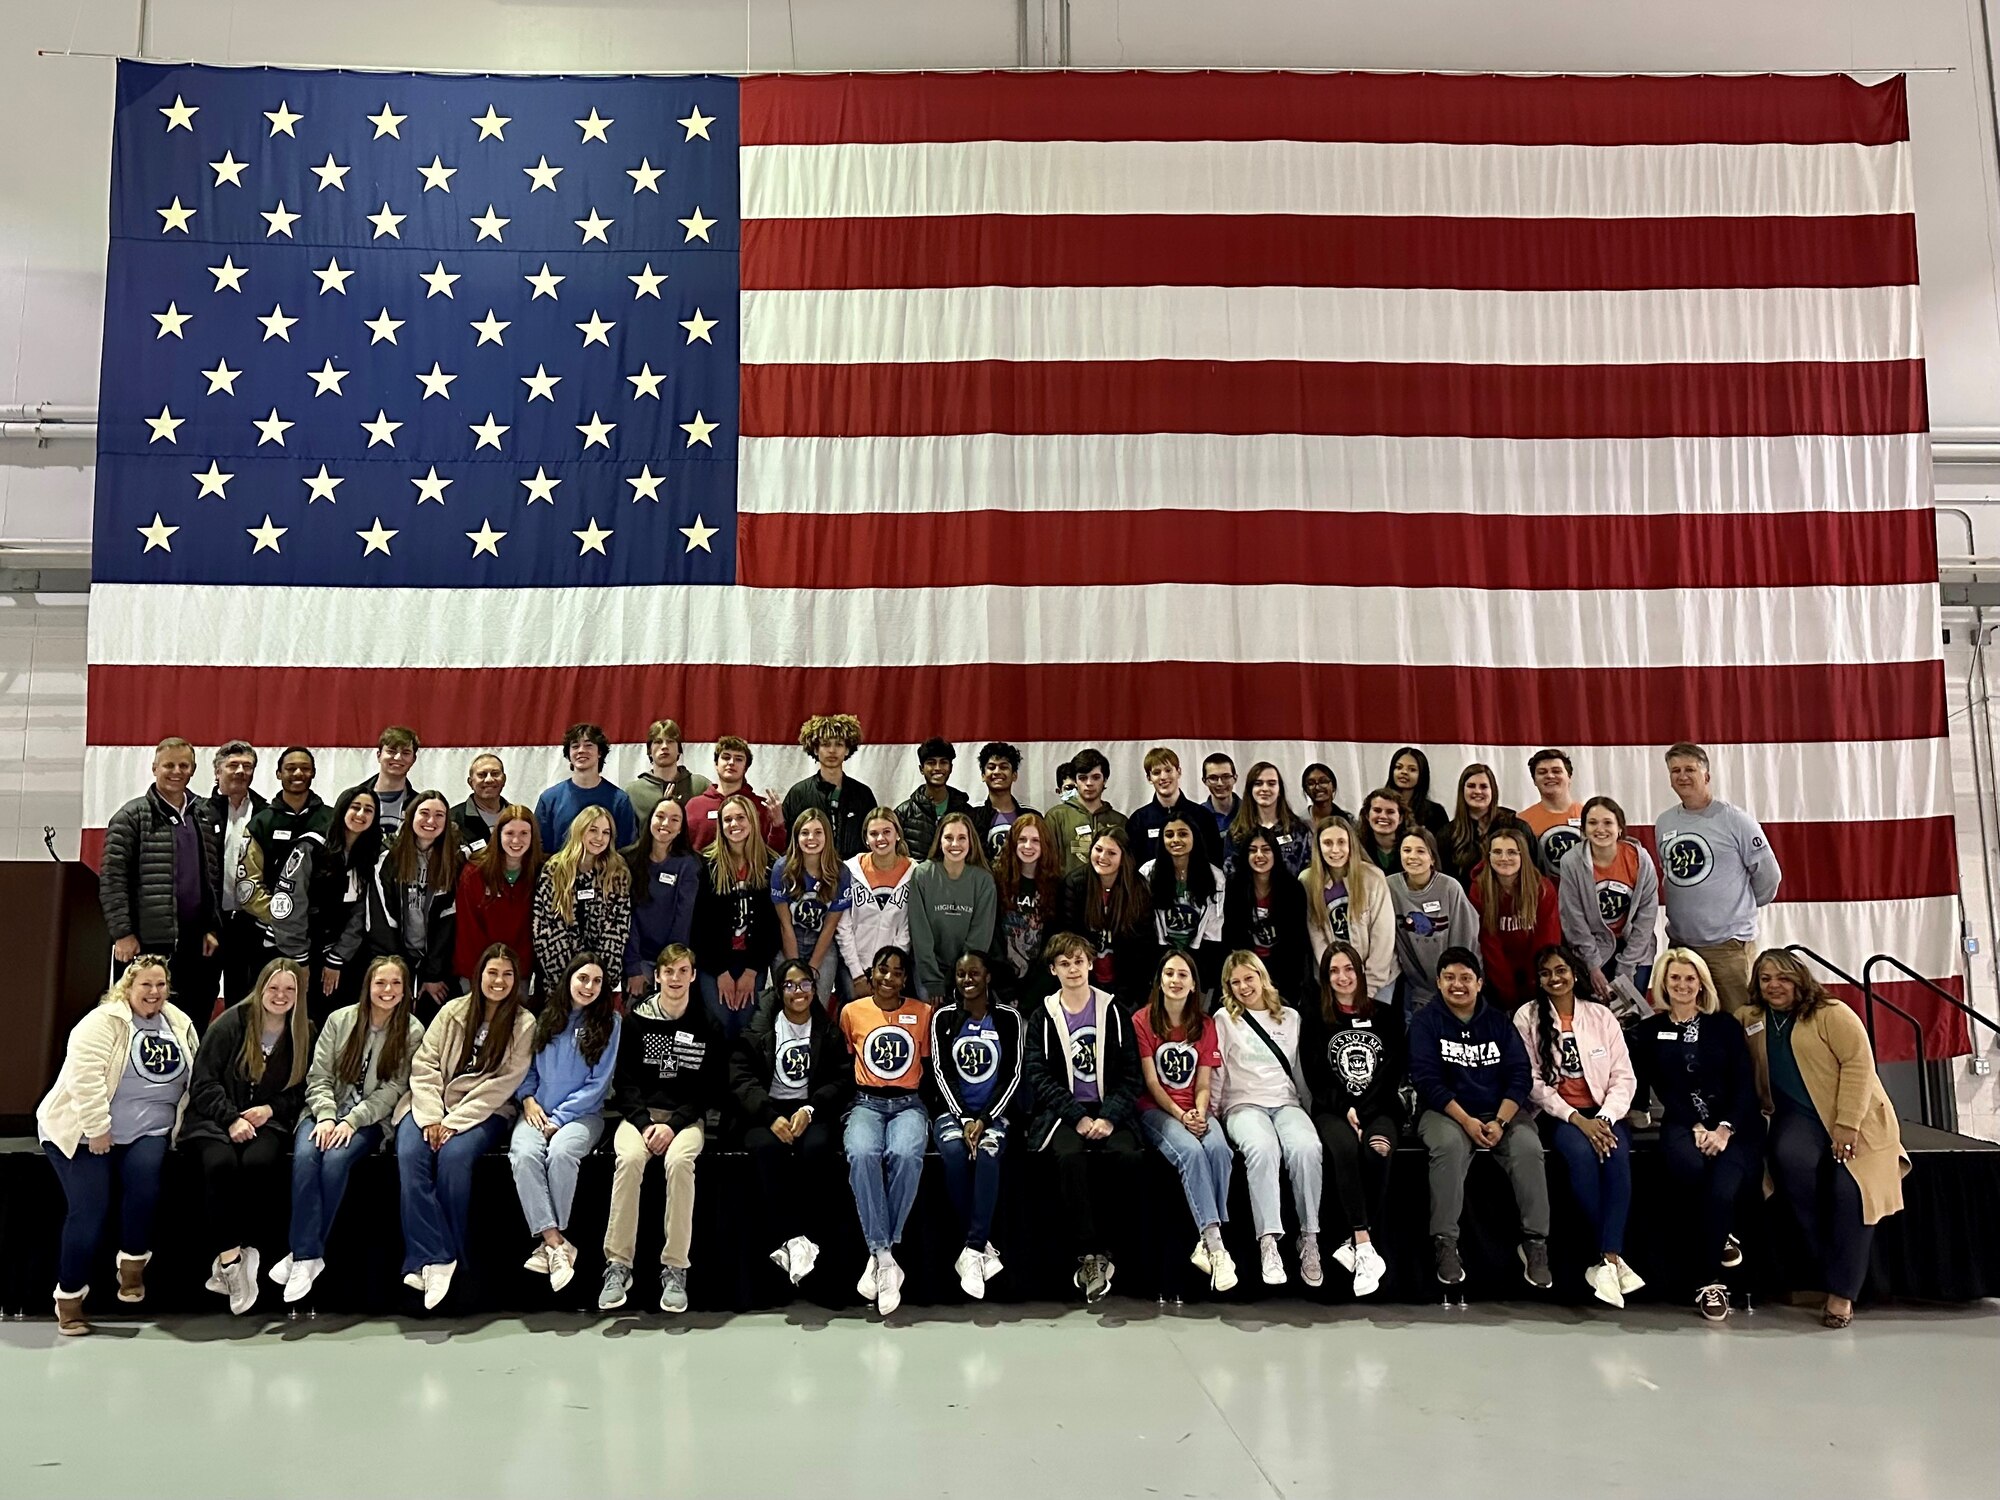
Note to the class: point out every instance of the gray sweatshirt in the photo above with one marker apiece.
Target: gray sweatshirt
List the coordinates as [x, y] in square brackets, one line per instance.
[948, 917]
[1438, 917]
[378, 1097]
[1716, 869]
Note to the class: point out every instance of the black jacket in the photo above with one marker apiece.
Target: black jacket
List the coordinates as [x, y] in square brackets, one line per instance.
[376, 926]
[1133, 953]
[920, 817]
[941, 1086]
[1142, 830]
[220, 1090]
[1722, 1085]
[275, 828]
[473, 833]
[717, 917]
[850, 826]
[982, 819]
[678, 1067]
[1046, 1069]
[135, 882]
[829, 1070]
[1354, 1064]
[1290, 958]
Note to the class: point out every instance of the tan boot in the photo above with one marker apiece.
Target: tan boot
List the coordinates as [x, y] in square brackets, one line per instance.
[69, 1312]
[132, 1276]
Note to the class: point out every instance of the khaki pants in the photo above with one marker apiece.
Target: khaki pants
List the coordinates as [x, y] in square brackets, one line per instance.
[628, 1149]
[1729, 966]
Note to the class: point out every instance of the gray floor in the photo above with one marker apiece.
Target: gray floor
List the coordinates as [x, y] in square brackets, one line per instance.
[1013, 1405]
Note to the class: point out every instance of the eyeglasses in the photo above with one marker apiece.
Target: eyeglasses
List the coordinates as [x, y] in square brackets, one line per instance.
[799, 984]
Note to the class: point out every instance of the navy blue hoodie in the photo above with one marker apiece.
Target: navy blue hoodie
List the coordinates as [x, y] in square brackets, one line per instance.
[1478, 1061]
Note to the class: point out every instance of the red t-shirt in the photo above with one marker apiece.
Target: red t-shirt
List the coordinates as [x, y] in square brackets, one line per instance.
[1176, 1059]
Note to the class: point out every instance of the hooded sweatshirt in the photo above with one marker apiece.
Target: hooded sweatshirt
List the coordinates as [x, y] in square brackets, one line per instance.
[1476, 1062]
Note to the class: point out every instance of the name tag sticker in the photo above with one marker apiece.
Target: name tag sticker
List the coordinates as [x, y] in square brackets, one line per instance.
[1753, 1028]
[1668, 1036]
[586, 895]
[280, 833]
[1597, 1052]
[668, 877]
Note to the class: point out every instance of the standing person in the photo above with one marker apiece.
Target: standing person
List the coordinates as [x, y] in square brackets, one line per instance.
[952, 903]
[976, 1056]
[732, 770]
[158, 880]
[1697, 1064]
[934, 797]
[1835, 1147]
[735, 929]
[1218, 774]
[235, 803]
[1556, 819]
[275, 829]
[486, 801]
[1719, 869]
[586, 749]
[496, 892]
[1432, 915]
[1269, 810]
[1264, 911]
[409, 903]
[461, 1105]
[1107, 902]
[1610, 898]
[1320, 785]
[1519, 916]
[888, 1033]
[1347, 901]
[108, 1119]
[791, 1079]
[1479, 813]
[1582, 1086]
[1264, 1113]
[809, 893]
[672, 1069]
[999, 767]
[360, 1076]
[1471, 1073]
[583, 899]
[249, 1084]
[1072, 827]
[320, 887]
[1351, 1056]
[830, 739]
[1144, 827]
[1186, 891]
[664, 778]
[1410, 779]
[1383, 819]
[1028, 890]
[665, 876]
[1180, 1052]
[1083, 1080]
[395, 757]
[878, 894]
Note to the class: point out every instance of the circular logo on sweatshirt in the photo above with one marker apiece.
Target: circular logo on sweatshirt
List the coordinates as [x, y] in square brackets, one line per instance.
[1614, 901]
[1557, 842]
[1336, 918]
[889, 1051]
[1175, 1062]
[1083, 1054]
[1355, 1056]
[157, 1056]
[976, 1058]
[794, 1061]
[1687, 859]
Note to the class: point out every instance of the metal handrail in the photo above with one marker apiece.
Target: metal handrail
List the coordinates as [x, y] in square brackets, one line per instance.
[1932, 985]
[1869, 1001]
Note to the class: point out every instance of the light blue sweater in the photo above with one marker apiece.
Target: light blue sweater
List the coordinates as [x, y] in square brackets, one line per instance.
[568, 1088]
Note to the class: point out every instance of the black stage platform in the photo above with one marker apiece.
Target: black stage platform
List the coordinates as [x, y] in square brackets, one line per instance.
[1944, 1246]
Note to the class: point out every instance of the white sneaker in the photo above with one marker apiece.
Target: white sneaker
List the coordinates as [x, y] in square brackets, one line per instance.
[562, 1265]
[539, 1261]
[1199, 1259]
[866, 1286]
[242, 1279]
[414, 1281]
[437, 1284]
[782, 1259]
[1269, 1263]
[889, 1288]
[215, 1283]
[1346, 1257]
[281, 1272]
[1369, 1269]
[299, 1280]
[1222, 1272]
[989, 1262]
[1603, 1281]
[971, 1273]
[804, 1256]
[1629, 1280]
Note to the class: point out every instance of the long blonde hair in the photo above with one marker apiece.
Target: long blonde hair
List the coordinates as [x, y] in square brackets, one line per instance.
[610, 874]
[1243, 958]
[757, 853]
[1363, 880]
[252, 1005]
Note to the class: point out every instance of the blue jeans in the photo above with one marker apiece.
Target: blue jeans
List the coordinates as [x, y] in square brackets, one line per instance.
[1204, 1163]
[885, 1160]
[972, 1178]
[1603, 1188]
[319, 1182]
[546, 1168]
[732, 1022]
[86, 1183]
[437, 1188]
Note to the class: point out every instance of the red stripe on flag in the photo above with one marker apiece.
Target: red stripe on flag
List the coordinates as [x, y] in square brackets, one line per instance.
[901, 549]
[1887, 860]
[1212, 106]
[1358, 398]
[1946, 1031]
[1075, 702]
[1522, 255]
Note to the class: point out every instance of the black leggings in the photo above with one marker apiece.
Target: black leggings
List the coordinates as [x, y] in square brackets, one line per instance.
[792, 1179]
[1360, 1173]
[1824, 1197]
[234, 1178]
[1073, 1153]
[1712, 1187]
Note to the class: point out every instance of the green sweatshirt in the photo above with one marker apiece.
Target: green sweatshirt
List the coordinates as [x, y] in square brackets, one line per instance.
[948, 918]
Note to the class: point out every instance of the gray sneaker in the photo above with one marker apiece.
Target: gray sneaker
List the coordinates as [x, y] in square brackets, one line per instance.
[1535, 1264]
[673, 1289]
[1450, 1269]
[617, 1283]
[1092, 1275]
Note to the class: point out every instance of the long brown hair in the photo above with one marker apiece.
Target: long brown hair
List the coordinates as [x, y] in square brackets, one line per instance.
[300, 1025]
[491, 861]
[593, 1027]
[1129, 904]
[500, 1025]
[1463, 837]
[352, 1064]
[1812, 995]
[1245, 822]
[1329, 1004]
[1194, 1014]
[1488, 890]
[828, 872]
[975, 848]
[406, 862]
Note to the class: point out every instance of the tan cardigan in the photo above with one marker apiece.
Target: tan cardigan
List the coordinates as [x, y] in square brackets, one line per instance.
[78, 1105]
[467, 1099]
[1838, 1066]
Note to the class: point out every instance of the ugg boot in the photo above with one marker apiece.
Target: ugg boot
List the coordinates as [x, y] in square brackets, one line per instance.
[69, 1311]
[132, 1276]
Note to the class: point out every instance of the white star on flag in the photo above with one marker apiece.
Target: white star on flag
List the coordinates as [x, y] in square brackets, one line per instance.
[596, 432]
[646, 383]
[541, 487]
[171, 321]
[158, 535]
[332, 278]
[222, 378]
[228, 171]
[697, 226]
[645, 177]
[326, 378]
[430, 486]
[387, 221]
[698, 536]
[272, 429]
[228, 275]
[697, 124]
[322, 484]
[276, 324]
[331, 174]
[490, 328]
[283, 119]
[386, 123]
[266, 535]
[214, 482]
[165, 425]
[698, 327]
[490, 224]
[489, 433]
[545, 283]
[174, 217]
[381, 431]
[541, 385]
[592, 539]
[439, 280]
[485, 539]
[542, 175]
[382, 326]
[646, 485]
[698, 431]
[647, 281]
[593, 228]
[377, 537]
[180, 116]
[594, 127]
[436, 382]
[596, 331]
[437, 174]
[492, 126]
[280, 221]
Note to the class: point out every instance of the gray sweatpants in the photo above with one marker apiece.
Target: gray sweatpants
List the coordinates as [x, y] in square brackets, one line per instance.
[1451, 1152]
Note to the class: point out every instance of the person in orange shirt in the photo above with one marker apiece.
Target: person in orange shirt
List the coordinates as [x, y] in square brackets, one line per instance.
[1557, 819]
[888, 1127]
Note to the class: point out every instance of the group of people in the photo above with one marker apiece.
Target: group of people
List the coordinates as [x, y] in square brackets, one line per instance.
[1218, 979]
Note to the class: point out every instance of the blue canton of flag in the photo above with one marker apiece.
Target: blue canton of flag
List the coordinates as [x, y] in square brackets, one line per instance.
[374, 330]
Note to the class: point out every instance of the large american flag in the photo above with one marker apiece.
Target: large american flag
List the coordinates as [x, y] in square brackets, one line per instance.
[1302, 416]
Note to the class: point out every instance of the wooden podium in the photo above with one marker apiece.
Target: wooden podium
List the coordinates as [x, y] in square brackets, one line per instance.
[58, 955]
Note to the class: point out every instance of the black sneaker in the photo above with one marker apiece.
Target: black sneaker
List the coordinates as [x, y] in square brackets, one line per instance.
[1712, 1301]
[1535, 1264]
[1450, 1269]
[1732, 1253]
